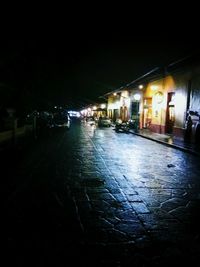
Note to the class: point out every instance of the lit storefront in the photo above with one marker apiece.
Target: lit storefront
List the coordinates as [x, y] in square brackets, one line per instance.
[119, 105]
[161, 100]
[158, 112]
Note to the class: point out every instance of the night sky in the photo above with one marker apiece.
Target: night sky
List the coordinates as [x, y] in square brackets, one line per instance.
[75, 72]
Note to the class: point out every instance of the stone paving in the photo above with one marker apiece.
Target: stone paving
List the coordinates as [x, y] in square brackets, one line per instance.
[132, 202]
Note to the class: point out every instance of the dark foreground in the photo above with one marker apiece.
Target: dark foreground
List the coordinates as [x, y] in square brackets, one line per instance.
[92, 197]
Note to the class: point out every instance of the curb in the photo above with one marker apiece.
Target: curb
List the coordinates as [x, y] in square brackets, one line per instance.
[187, 150]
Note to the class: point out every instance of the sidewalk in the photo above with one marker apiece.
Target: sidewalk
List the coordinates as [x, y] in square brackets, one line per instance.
[169, 141]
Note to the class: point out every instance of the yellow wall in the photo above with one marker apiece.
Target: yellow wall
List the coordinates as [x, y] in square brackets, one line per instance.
[163, 86]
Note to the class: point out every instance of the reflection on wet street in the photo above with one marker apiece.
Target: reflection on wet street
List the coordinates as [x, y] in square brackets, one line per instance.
[104, 198]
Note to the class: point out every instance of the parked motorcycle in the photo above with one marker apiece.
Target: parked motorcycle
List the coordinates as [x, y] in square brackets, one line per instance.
[122, 126]
[132, 124]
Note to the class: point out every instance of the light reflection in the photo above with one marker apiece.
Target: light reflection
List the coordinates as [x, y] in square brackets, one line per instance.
[137, 167]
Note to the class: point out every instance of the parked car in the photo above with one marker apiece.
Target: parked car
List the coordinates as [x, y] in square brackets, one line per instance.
[104, 122]
[61, 120]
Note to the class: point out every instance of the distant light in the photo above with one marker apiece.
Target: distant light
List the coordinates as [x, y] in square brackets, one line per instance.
[55, 107]
[141, 86]
[103, 106]
[83, 112]
[114, 94]
[74, 113]
[94, 108]
[137, 97]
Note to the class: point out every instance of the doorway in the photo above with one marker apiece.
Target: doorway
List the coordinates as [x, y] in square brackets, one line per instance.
[170, 114]
[147, 113]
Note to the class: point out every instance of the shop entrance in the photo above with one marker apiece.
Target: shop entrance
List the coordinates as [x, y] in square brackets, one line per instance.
[170, 115]
[147, 112]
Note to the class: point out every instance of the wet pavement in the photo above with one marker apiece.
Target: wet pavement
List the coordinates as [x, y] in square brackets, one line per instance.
[93, 197]
[169, 140]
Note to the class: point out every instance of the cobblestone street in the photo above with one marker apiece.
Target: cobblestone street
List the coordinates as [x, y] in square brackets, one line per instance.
[94, 197]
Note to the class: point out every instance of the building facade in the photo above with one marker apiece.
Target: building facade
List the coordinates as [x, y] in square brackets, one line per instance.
[163, 101]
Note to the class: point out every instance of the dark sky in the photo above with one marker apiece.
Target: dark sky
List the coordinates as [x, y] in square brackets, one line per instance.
[76, 71]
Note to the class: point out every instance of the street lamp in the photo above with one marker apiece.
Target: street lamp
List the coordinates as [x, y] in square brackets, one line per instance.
[137, 100]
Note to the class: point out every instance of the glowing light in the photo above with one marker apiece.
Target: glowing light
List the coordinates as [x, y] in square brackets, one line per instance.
[75, 113]
[137, 97]
[154, 87]
[83, 112]
[103, 106]
[141, 86]
[94, 108]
